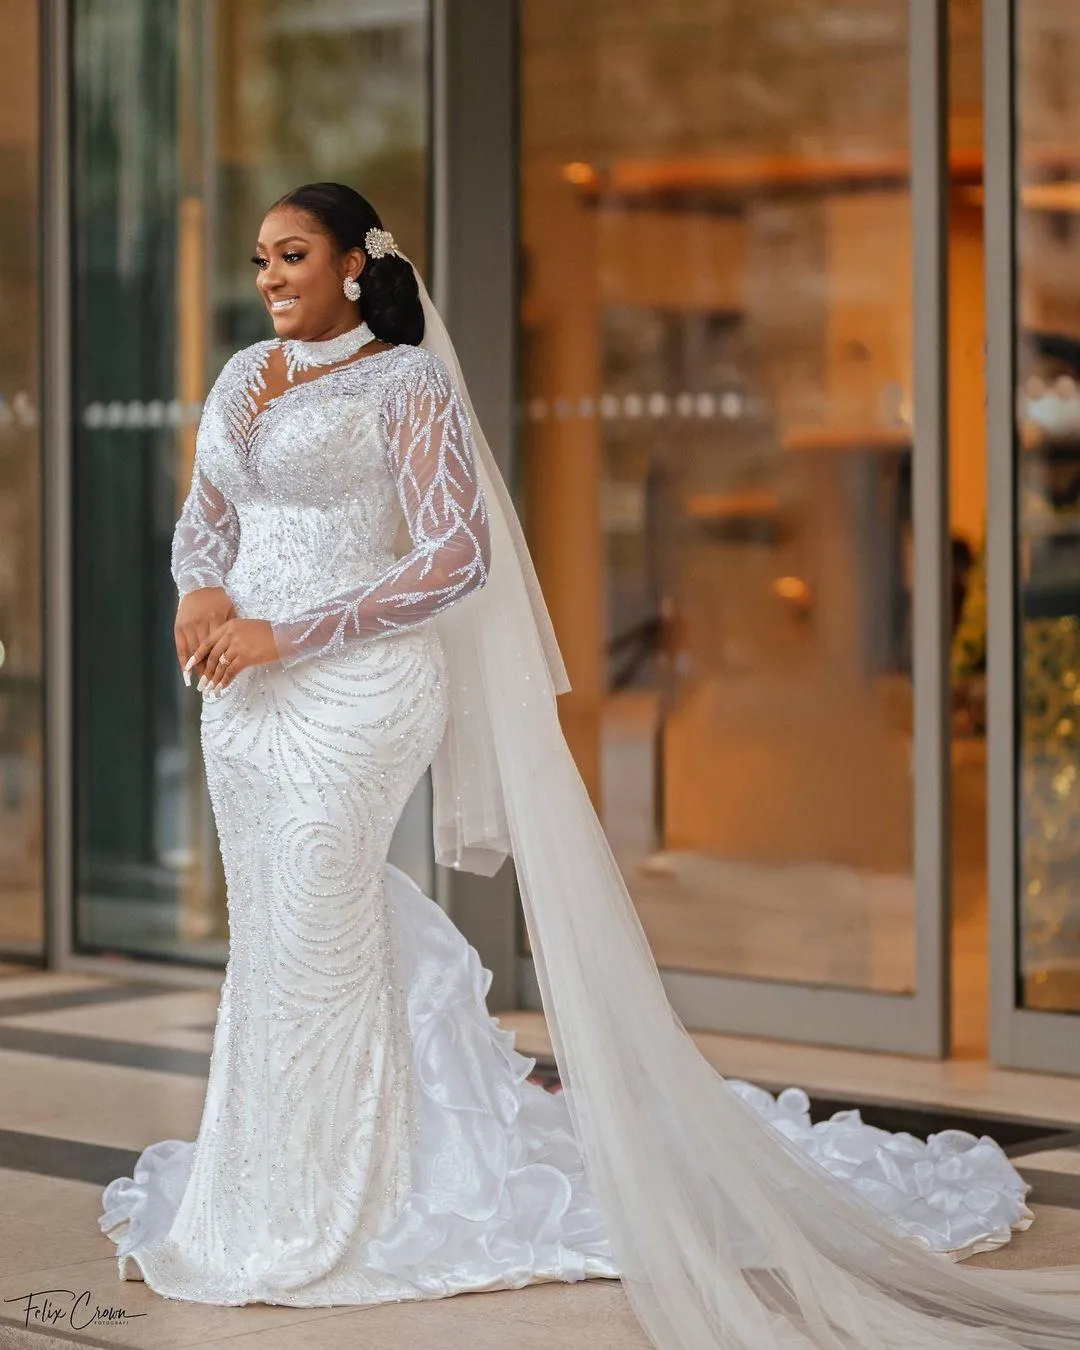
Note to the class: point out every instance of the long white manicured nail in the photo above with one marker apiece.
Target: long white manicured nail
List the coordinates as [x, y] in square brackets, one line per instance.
[203, 682]
[187, 677]
[191, 661]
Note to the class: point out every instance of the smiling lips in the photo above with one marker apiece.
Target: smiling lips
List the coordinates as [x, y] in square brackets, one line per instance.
[287, 303]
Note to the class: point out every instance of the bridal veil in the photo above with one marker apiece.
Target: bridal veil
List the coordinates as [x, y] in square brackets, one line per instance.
[728, 1236]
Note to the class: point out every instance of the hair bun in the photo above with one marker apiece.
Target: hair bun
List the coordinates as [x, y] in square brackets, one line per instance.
[390, 300]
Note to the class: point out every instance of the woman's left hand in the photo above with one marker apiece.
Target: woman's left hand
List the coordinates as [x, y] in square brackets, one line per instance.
[242, 642]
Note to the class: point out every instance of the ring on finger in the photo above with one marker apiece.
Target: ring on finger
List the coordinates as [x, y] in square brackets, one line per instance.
[221, 669]
[222, 673]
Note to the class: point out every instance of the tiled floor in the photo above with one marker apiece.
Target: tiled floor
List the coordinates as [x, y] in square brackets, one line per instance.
[968, 1083]
[92, 1071]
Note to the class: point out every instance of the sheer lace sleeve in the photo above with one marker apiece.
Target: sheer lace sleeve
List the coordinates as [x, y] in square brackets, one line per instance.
[206, 536]
[430, 453]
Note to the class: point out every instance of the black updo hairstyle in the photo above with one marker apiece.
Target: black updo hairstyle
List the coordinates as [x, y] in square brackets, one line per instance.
[389, 298]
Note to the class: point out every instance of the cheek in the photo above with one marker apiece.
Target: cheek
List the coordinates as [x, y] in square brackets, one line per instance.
[317, 280]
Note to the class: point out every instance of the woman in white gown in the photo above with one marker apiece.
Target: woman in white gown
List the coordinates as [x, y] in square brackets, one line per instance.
[369, 1133]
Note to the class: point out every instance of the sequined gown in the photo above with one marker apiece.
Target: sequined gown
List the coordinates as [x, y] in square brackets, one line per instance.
[368, 1132]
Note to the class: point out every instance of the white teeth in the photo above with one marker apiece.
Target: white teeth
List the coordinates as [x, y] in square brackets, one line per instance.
[284, 304]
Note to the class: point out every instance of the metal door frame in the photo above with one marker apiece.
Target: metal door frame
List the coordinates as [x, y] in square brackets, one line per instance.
[1022, 1038]
[469, 239]
[917, 1023]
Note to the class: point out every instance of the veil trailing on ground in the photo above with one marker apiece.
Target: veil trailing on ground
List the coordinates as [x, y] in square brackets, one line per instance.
[727, 1234]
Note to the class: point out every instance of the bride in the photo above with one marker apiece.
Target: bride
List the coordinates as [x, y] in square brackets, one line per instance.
[368, 1132]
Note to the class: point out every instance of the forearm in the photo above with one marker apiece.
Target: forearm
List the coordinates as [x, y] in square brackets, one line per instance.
[205, 540]
[414, 589]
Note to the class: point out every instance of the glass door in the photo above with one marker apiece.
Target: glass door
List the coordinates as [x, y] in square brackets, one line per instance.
[732, 453]
[1033, 310]
[186, 125]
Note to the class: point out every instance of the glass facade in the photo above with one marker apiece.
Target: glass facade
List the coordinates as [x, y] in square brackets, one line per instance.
[715, 246]
[188, 121]
[21, 684]
[717, 381]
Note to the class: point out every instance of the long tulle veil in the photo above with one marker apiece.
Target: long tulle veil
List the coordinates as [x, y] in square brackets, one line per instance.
[726, 1233]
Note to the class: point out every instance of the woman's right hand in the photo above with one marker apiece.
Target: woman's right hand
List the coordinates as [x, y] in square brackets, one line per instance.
[199, 613]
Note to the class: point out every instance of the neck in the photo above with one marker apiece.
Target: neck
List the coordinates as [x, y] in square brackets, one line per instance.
[344, 325]
[303, 353]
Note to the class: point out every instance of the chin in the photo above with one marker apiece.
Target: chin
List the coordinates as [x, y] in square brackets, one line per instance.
[288, 323]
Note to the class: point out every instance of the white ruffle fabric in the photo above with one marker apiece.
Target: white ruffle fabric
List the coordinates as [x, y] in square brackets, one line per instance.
[956, 1192]
[499, 1196]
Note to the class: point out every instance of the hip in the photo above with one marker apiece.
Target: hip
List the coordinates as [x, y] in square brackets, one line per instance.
[390, 687]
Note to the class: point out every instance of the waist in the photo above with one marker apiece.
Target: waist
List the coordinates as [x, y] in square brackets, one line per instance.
[279, 585]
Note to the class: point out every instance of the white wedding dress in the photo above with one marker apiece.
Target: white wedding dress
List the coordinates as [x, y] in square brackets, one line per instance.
[369, 1133]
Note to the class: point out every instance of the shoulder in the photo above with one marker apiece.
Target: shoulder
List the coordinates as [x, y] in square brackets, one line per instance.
[415, 370]
[253, 355]
[239, 367]
[415, 373]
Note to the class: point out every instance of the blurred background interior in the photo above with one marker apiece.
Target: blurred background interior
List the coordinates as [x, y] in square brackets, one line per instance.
[715, 429]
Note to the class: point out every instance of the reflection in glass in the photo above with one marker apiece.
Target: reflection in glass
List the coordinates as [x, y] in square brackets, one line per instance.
[716, 367]
[189, 120]
[1048, 505]
[21, 750]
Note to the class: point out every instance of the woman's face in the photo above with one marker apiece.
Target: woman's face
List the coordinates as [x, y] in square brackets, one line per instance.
[299, 277]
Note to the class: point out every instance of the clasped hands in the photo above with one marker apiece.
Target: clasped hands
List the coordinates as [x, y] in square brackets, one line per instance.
[207, 629]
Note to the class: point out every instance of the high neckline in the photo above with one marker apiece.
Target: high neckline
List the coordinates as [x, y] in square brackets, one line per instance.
[303, 355]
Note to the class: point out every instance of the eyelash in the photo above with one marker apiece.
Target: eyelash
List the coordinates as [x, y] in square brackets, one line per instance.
[289, 257]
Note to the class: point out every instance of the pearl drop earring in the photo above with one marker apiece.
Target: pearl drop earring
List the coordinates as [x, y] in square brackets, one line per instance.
[351, 287]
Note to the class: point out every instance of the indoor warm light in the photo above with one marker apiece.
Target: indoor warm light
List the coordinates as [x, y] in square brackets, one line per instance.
[792, 588]
[579, 173]
[1051, 196]
[1063, 197]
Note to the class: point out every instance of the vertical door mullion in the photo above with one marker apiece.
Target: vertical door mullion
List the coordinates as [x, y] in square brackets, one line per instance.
[474, 234]
[999, 125]
[929, 113]
[56, 450]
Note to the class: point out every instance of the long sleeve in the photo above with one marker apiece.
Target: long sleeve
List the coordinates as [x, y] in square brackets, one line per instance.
[430, 453]
[206, 537]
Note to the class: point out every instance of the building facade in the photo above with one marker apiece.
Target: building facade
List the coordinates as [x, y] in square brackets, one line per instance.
[769, 312]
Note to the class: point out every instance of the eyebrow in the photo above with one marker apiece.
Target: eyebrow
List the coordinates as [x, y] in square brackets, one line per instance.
[278, 242]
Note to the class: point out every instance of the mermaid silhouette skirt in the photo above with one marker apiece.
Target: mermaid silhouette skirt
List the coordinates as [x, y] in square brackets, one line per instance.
[369, 1133]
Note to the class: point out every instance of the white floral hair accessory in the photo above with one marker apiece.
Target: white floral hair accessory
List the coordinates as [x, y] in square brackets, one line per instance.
[378, 243]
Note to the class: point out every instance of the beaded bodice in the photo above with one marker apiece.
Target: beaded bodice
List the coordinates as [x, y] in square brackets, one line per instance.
[296, 501]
